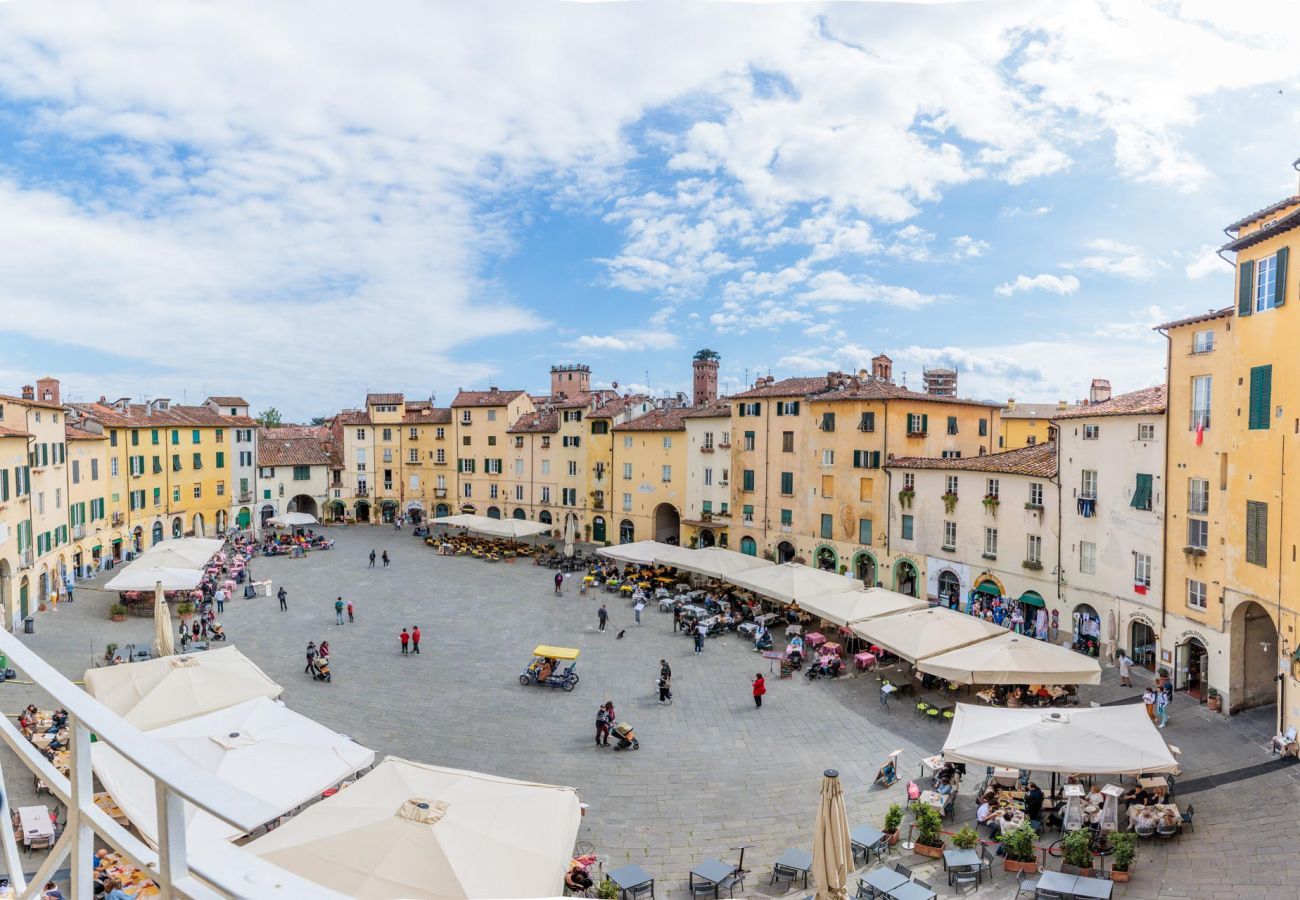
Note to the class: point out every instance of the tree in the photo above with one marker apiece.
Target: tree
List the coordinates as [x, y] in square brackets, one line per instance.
[317, 420]
[707, 354]
[269, 418]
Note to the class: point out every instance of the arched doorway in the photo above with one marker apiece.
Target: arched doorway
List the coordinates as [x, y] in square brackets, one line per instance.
[267, 512]
[304, 504]
[244, 519]
[784, 552]
[222, 519]
[864, 568]
[827, 559]
[362, 511]
[598, 529]
[441, 510]
[1087, 630]
[5, 599]
[748, 546]
[1142, 644]
[198, 524]
[157, 533]
[1191, 666]
[415, 512]
[949, 589]
[137, 537]
[1253, 655]
[468, 509]
[668, 524]
[544, 517]
[706, 538]
[24, 604]
[626, 533]
[493, 512]
[519, 513]
[388, 510]
[906, 577]
[43, 594]
[178, 527]
[336, 509]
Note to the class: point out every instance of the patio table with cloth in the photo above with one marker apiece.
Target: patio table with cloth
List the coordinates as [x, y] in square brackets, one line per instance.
[35, 823]
[933, 798]
[1155, 812]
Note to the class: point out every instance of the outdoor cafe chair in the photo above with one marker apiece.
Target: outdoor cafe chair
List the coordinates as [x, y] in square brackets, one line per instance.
[1024, 882]
[1187, 817]
[880, 848]
[919, 883]
[730, 883]
[964, 878]
[902, 870]
[783, 873]
[1040, 894]
[1165, 831]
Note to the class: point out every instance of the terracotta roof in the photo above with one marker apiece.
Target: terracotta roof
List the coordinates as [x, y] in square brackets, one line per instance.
[427, 415]
[718, 409]
[13, 432]
[834, 386]
[1224, 313]
[1280, 226]
[1261, 213]
[229, 401]
[544, 421]
[273, 450]
[786, 387]
[79, 434]
[1146, 402]
[494, 397]
[353, 417]
[617, 406]
[316, 432]
[386, 399]
[657, 420]
[1039, 460]
[1032, 410]
[137, 415]
[10, 398]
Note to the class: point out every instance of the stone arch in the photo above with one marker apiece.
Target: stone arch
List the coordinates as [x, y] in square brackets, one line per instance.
[668, 524]
[362, 511]
[493, 512]
[707, 538]
[267, 512]
[156, 535]
[441, 510]
[1253, 657]
[519, 513]
[907, 578]
[304, 503]
[626, 532]
[388, 510]
[865, 568]
[545, 517]
[825, 557]
[198, 524]
[748, 546]
[948, 585]
[222, 521]
[245, 518]
[785, 552]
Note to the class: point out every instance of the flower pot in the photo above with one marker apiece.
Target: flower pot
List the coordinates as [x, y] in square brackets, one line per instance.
[1119, 875]
[1011, 865]
[893, 837]
[925, 850]
[119, 618]
[1212, 704]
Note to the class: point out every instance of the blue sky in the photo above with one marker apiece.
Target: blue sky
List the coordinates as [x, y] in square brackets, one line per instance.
[301, 208]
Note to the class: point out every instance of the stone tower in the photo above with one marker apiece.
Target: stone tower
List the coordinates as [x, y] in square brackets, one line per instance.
[705, 366]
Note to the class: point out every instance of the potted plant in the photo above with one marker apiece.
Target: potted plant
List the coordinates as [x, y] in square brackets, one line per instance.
[905, 497]
[1212, 700]
[949, 502]
[185, 610]
[1021, 854]
[607, 889]
[991, 502]
[1076, 850]
[109, 649]
[117, 612]
[966, 839]
[893, 818]
[799, 560]
[1034, 507]
[1123, 847]
[929, 837]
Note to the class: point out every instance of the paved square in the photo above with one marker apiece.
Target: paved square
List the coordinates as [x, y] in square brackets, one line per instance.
[713, 773]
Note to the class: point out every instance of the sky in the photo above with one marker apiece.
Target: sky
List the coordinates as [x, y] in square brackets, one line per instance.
[302, 202]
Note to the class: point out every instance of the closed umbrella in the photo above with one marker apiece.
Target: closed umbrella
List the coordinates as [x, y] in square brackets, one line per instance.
[832, 852]
[569, 536]
[162, 623]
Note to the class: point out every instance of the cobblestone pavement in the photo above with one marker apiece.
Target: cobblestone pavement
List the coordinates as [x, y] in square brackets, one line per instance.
[713, 773]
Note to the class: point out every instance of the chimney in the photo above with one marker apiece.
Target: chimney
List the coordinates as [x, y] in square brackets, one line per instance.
[29, 392]
[1100, 391]
[1011, 403]
[47, 390]
[882, 367]
[1062, 405]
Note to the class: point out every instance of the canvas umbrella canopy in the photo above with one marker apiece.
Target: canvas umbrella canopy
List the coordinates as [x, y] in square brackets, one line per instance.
[197, 550]
[412, 830]
[832, 851]
[162, 624]
[1013, 659]
[570, 534]
[859, 605]
[1106, 740]
[718, 562]
[461, 520]
[510, 528]
[925, 632]
[138, 577]
[259, 747]
[292, 520]
[160, 692]
[791, 582]
[640, 552]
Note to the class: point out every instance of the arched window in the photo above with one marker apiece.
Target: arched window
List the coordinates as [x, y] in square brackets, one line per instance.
[748, 546]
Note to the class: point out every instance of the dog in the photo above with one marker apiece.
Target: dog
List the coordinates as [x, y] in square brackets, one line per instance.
[620, 635]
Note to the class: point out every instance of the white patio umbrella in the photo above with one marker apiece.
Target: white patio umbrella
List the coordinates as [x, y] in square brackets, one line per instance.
[292, 520]
[570, 535]
[717, 562]
[860, 605]
[832, 851]
[790, 582]
[260, 747]
[145, 578]
[412, 830]
[1013, 659]
[161, 692]
[197, 550]
[641, 553]
[925, 632]
[510, 528]
[162, 623]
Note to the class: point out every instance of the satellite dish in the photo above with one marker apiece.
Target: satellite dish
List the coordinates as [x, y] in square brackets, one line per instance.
[614, 384]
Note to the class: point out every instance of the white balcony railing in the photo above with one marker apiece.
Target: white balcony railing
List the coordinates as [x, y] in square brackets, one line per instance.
[78, 532]
[217, 870]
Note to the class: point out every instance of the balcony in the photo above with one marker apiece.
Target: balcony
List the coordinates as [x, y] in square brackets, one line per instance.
[78, 532]
[247, 496]
[724, 445]
[440, 493]
[706, 449]
[118, 519]
[362, 491]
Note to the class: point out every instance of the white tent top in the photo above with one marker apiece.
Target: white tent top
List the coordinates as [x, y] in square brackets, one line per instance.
[718, 562]
[792, 583]
[641, 553]
[292, 520]
[259, 747]
[1106, 740]
[140, 576]
[509, 528]
[1013, 659]
[926, 632]
[413, 830]
[856, 606]
[197, 550]
[164, 691]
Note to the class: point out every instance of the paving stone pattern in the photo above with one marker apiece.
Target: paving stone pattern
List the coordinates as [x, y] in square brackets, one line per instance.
[713, 773]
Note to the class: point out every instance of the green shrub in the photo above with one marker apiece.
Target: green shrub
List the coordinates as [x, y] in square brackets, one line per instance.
[966, 839]
[607, 889]
[928, 825]
[1076, 849]
[1123, 846]
[1018, 844]
[185, 609]
[117, 609]
[893, 818]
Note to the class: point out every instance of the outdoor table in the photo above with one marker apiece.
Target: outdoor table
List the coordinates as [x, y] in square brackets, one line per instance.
[1092, 888]
[864, 661]
[863, 837]
[910, 890]
[710, 871]
[796, 628]
[35, 823]
[136, 882]
[987, 695]
[1154, 812]
[630, 878]
[109, 807]
[960, 859]
[934, 799]
[933, 763]
[764, 618]
[831, 647]
[1058, 882]
[883, 880]
[1157, 783]
[665, 604]
[799, 860]
[814, 639]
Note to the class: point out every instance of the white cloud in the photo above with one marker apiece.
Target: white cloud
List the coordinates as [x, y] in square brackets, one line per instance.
[1112, 257]
[1056, 284]
[1206, 261]
[627, 341]
[1012, 212]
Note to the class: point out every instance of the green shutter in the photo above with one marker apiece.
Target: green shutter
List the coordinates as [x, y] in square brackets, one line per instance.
[1279, 295]
[925, 423]
[864, 532]
[1261, 397]
[4, 484]
[1245, 284]
[221, 460]
[1142, 493]
[828, 526]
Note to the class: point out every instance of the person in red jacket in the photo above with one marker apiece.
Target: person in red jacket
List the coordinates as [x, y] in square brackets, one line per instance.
[405, 638]
[415, 639]
[760, 688]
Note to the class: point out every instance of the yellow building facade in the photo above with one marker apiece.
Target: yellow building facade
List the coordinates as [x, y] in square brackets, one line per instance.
[482, 420]
[649, 476]
[1027, 424]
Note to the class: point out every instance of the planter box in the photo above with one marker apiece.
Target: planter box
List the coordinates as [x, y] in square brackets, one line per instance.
[1029, 868]
[119, 618]
[1118, 875]
[932, 852]
[893, 837]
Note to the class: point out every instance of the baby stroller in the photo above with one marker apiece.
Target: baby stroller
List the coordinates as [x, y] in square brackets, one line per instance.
[624, 736]
[320, 669]
[216, 632]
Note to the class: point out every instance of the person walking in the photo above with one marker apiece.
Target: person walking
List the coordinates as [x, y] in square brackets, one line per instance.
[760, 688]
[559, 584]
[283, 595]
[338, 611]
[1125, 669]
[385, 559]
[604, 719]
[415, 638]
[602, 615]
[1162, 709]
[700, 632]
[405, 638]
[350, 619]
[220, 597]
[665, 690]
[665, 671]
[372, 559]
[311, 655]
[677, 617]
[1149, 701]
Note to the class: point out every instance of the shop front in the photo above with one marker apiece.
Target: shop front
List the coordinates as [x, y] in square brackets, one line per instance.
[1086, 630]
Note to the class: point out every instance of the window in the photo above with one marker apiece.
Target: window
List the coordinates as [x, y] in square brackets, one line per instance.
[828, 457]
[627, 442]
[1142, 492]
[787, 484]
[573, 468]
[112, 437]
[1196, 594]
[198, 491]
[950, 535]
[1036, 494]
[667, 474]
[600, 426]
[76, 471]
[1265, 283]
[991, 487]
[469, 491]
[440, 456]
[492, 440]
[135, 435]
[569, 440]
[828, 421]
[1198, 534]
[1256, 533]
[828, 525]
[747, 480]
[491, 415]
[749, 441]
[546, 442]
[1031, 440]
[866, 459]
[546, 495]
[668, 442]
[952, 424]
[708, 477]
[787, 518]
[950, 485]
[1142, 570]
[1200, 403]
[1034, 549]
[627, 471]
[750, 409]
[569, 496]
[519, 467]
[917, 423]
[413, 457]
[747, 515]
[1090, 432]
[868, 422]
[1088, 489]
[866, 490]
[246, 458]
[198, 460]
[627, 503]
[221, 489]
[466, 466]
[465, 417]
[828, 486]
[990, 543]
[112, 467]
[787, 442]
[519, 491]
[1087, 557]
[1146, 431]
[1198, 496]
[194, 436]
[94, 470]
[950, 454]
[984, 427]
[909, 481]
[1261, 397]
[787, 407]
[708, 440]
[440, 433]
[491, 466]
[361, 435]
[1202, 341]
[302, 473]
[864, 532]
[413, 433]
[388, 434]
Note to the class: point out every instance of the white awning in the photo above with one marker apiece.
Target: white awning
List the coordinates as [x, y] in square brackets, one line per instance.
[292, 520]
[925, 632]
[792, 583]
[195, 549]
[1013, 659]
[642, 553]
[856, 606]
[420, 831]
[1107, 740]
[718, 562]
[137, 577]
[506, 528]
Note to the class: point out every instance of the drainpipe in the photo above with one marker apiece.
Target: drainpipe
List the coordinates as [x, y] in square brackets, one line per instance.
[1060, 568]
[1164, 531]
[889, 489]
[1281, 542]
